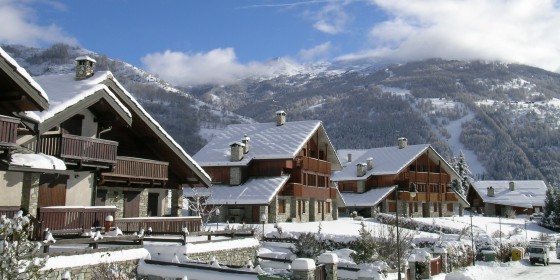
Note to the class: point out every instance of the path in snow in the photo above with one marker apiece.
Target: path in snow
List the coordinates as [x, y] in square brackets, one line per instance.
[454, 128]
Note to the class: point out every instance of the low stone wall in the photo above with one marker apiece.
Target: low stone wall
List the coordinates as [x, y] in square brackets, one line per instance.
[83, 266]
[228, 252]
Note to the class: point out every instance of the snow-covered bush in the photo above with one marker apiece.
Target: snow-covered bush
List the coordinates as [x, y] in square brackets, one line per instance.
[18, 255]
[364, 246]
[307, 246]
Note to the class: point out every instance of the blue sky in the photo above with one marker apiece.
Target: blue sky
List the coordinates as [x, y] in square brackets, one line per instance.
[196, 41]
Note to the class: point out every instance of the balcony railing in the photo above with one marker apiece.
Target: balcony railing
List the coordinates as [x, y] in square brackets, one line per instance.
[299, 190]
[79, 148]
[412, 176]
[8, 131]
[314, 165]
[138, 169]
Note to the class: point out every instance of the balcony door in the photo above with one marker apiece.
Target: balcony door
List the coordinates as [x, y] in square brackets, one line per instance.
[153, 202]
[131, 204]
[52, 190]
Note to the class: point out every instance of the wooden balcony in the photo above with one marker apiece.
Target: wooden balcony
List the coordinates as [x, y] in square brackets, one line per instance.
[80, 150]
[8, 131]
[420, 196]
[312, 164]
[299, 190]
[70, 218]
[137, 171]
[412, 176]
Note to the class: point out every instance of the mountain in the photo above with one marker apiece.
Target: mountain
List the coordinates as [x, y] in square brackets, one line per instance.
[504, 117]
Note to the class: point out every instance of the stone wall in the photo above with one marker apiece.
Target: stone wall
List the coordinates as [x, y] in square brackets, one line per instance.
[235, 256]
[30, 193]
[88, 271]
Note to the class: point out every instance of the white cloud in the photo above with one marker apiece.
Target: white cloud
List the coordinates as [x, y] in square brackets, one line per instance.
[331, 18]
[507, 30]
[218, 66]
[17, 26]
[315, 52]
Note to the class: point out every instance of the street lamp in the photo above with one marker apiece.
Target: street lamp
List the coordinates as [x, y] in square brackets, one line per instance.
[217, 217]
[412, 191]
[501, 251]
[263, 220]
[472, 240]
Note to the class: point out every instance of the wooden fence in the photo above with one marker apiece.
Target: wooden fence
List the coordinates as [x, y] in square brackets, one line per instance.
[436, 265]
[65, 219]
[159, 224]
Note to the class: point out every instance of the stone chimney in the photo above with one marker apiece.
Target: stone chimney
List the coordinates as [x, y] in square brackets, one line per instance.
[245, 141]
[280, 118]
[236, 151]
[490, 191]
[512, 186]
[349, 157]
[369, 163]
[402, 142]
[85, 67]
[360, 169]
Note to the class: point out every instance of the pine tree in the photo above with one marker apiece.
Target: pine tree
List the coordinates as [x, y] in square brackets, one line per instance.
[18, 255]
[462, 168]
[364, 246]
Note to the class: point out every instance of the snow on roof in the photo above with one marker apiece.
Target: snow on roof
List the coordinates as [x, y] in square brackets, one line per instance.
[66, 91]
[85, 57]
[268, 141]
[527, 194]
[37, 161]
[24, 74]
[386, 160]
[158, 126]
[254, 191]
[368, 199]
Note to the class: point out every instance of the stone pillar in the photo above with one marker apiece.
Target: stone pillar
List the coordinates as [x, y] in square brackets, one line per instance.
[334, 210]
[143, 203]
[30, 193]
[330, 261]
[461, 210]
[303, 269]
[313, 216]
[177, 202]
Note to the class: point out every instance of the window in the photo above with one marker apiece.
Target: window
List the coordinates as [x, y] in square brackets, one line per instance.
[281, 206]
[415, 207]
[435, 207]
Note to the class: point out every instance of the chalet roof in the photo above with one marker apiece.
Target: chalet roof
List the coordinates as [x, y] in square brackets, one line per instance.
[68, 92]
[253, 191]
[69, 96]
[23, 80]
[527, 194]
[367, 199]
[267, 141]
[386, 161]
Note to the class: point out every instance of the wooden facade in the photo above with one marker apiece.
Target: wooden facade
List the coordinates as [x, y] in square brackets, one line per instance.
[78, 150]
[8, 131]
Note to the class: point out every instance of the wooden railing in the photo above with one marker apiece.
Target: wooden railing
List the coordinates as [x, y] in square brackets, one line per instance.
[8, 131]
[159, 224]
[129, 167]
[314, 165]
[412, 176]
[67, 146]
[420, 196]
[9, 211]
[299, 190]
[75, 218]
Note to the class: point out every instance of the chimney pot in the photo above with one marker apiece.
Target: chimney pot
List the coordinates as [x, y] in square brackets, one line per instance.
[245, 141]
[402, 142]
[511, 186]
[490, 191]
[369, 163]
[280, 118]
[236, 151]
[349, 157]
[360, 169]
[85, 67]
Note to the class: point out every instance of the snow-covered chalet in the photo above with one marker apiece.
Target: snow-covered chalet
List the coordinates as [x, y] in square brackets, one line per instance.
[371, 179]
[113, 152]
[270, 172]
[501, 198]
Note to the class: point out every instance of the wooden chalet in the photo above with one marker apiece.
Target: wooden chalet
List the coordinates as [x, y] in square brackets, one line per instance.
[502, 198]
[114, 152]
[19, 93]
[371, 179]
[281, 170]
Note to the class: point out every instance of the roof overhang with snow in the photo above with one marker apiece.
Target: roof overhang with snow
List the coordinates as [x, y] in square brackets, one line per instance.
[256, 191]
[179, 161]
[18, 88]
[370, 198]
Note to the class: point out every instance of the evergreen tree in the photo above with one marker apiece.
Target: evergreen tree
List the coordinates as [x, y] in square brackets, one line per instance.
[364, 246]
[18, 255]
[462, 168]
[307, 246]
